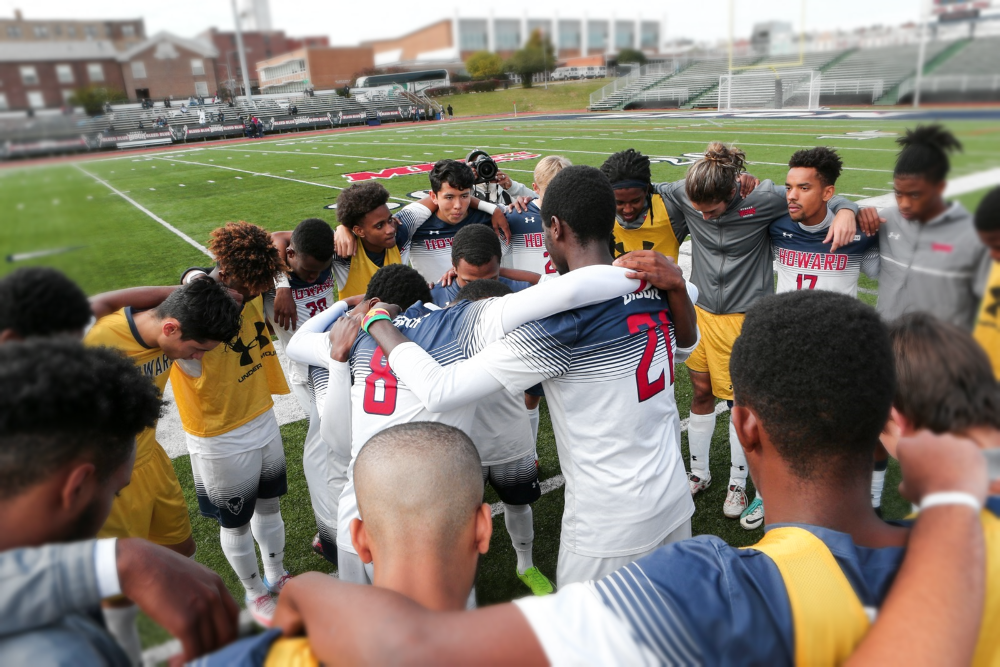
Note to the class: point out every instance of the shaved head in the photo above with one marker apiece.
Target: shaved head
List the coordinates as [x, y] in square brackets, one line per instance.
[418, 479]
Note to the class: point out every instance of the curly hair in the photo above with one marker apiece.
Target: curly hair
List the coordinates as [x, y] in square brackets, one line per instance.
[205, 311]
[39, 301]
[627, 165]
[61, 401]
[314, 237]
[824, 160]
[824, 417]
[712, 179]
[925, 152]
[398, 284]
[357, 201]
[246, 255]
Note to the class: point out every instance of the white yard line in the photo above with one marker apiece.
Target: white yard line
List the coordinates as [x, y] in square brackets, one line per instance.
[956, 186]
[182, 235]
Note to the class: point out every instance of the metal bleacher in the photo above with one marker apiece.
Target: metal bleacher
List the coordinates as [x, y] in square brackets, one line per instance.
[970, 74]
[869, 76]
[758, 90]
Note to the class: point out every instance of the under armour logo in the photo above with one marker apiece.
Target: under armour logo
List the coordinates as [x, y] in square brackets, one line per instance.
[893, 235]
[786, 235]
[434, 232]
[261, 340]
[994, 307]
[235, 505]
[530, 219]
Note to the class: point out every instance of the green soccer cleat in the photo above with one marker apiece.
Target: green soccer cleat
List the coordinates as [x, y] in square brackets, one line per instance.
[536, 581]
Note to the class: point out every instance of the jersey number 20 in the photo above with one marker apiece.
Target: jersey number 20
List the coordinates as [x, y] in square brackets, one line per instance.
[654, 332]
[386, 404]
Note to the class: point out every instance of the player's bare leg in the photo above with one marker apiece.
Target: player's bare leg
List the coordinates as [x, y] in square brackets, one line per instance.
[701, 426]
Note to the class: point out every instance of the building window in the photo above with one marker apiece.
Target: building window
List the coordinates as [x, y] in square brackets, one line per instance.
[57, 30]
[569, 34]
[95, 72]
[597, 35]
[64, 73]
[41, 31]
[201, 88]
[90, 31]
[29, 75]
[197, 67]
[71, 31]
[650, 37]
[540, 24]
[128, 31]
[67, 94]
[472, 35]
[35, 99]
[14, 32]
[138, 69]
[507, 35]
[624, 35]
[3, 102]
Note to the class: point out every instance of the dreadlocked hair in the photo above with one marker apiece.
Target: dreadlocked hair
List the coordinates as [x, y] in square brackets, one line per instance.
[925, 152]
[713, 178]
[627, 165]
[246, 254]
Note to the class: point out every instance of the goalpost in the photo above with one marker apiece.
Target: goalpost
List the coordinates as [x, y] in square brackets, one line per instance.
[787, 89]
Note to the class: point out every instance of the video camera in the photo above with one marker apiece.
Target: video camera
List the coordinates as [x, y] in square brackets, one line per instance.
[486, 168]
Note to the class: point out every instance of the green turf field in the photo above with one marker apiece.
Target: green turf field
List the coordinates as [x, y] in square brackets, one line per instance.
[114, 243]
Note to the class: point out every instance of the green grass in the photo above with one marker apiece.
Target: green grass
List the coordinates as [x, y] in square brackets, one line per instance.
[55, 206]
[570, 96]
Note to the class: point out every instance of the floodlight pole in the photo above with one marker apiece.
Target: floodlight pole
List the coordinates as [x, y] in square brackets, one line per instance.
[921, 52]
[242, 52]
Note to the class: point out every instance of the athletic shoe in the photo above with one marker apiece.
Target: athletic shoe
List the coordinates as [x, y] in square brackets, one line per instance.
[276, 587]
[753, 516]
[698, 483]
[317, 546]
[261, 610]
[536, 581]
[736, 502]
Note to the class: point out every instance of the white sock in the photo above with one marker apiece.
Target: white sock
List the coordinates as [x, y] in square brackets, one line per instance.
[237, 545]
[121, 624]
[700, 431]
[269, 530]
[521, 529]
[878, 483]
[738, 460]
[533, 420]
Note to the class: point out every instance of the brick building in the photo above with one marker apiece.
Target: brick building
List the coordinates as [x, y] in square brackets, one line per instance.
[258, 46]
[121, 33]
[37, 75]
[321, 68]
[169, 66]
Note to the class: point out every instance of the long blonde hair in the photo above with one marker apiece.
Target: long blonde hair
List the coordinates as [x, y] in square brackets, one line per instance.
[713, 178]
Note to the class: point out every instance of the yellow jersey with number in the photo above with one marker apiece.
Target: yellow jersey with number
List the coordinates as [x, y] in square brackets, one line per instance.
[363, 268]
[655, 233]
[987, 330]
[118, 331]
[233, 383]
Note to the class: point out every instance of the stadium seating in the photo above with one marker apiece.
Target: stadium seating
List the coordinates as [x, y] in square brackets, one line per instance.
[757, 90]
[969, 74]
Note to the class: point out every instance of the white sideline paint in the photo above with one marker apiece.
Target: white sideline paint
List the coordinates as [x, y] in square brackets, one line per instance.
[957, 186]
[187, 239]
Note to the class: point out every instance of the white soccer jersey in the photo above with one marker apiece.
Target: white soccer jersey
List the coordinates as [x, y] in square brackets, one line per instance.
[527, 247]
[608, 373]
[804, 261]
[310, 298]
[371, 398]
[430, 251]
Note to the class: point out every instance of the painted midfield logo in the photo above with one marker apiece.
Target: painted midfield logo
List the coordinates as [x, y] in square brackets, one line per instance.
[261, 341]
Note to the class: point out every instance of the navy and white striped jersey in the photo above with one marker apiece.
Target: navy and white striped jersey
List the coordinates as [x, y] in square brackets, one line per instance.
[442, 295]
[310, 298]
[608, 375]
[430, 251]
[695, 602]
[804, 261]
[527, 242]
[410, 218]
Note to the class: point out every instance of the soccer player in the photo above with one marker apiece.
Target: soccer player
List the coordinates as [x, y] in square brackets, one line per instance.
[702, 601]
[475, 254]
[69, 416]
[644, 220]
[192, 321]
[732, 266]
[527, 244]
[987, 330]
[625, 489]
[803, 257]
[39, 302]
[932, 260]
[225, 405]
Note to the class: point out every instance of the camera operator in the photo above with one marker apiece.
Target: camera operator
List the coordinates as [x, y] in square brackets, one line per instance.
[492, 185]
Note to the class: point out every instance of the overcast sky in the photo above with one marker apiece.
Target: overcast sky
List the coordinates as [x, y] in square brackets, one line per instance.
[349, 22]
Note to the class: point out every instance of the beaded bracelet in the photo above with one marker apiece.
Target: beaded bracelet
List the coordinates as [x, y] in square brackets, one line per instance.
[374, 315]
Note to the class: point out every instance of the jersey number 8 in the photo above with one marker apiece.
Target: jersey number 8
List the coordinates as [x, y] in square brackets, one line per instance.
[373, 403]
[654, 330]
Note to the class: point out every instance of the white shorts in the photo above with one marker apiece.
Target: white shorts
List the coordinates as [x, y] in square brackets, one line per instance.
[574, 568]
[228, 487]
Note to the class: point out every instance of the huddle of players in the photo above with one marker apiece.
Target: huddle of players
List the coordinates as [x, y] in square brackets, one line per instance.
[236, 451]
